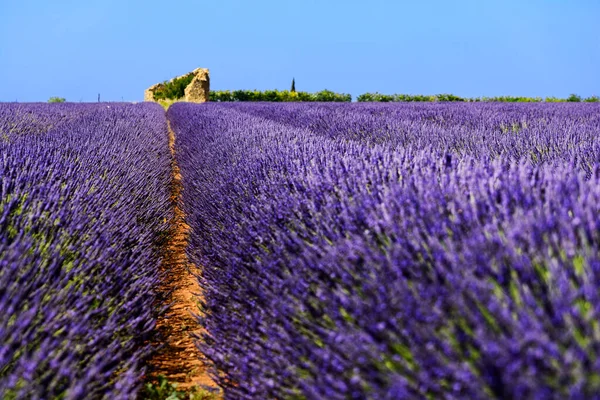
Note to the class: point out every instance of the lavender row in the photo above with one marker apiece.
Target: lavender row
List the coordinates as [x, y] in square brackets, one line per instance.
[536, 132]
[338, 268]
[84, 199]
[37, 118]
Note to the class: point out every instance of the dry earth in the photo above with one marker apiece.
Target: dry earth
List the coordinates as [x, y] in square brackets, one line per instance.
[179, 360]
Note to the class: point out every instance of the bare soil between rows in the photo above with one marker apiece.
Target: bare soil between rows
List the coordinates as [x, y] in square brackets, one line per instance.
[179, 360]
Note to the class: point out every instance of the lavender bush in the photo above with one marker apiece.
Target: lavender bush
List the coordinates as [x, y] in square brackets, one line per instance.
[396, 251]
[83, 201]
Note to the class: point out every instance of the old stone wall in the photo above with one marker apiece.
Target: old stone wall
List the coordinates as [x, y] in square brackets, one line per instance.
[196, 92]
[149, 93]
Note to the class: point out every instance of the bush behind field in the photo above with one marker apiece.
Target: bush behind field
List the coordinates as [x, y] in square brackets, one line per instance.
[278, 96]
[174, 89]
[378, 97]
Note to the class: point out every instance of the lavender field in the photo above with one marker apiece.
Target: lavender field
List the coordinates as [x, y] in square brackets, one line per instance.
[396, 251]
[83, 198]
[348, 251]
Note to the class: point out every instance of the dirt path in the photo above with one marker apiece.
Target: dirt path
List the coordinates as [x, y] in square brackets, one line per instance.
[179, 360]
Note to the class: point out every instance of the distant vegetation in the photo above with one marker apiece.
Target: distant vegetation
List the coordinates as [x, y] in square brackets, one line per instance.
[450, 97]
[174, 89]
[278, 96]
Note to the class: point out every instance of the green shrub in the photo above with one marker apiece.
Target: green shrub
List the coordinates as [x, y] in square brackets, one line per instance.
[398, 97]
[56, 100]
[512, 99]
[450, 97]
[174, 89]
[278, 96]
[365, 97]
[406, 97]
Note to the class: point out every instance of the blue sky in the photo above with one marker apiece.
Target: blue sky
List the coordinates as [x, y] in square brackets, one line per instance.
[77, 49]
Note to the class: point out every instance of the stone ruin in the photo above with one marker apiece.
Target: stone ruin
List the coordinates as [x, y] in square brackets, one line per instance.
[149, 93]
[196, 92]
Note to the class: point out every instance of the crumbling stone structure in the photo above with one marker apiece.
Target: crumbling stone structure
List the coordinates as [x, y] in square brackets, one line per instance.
[149, 93]
[197, 91]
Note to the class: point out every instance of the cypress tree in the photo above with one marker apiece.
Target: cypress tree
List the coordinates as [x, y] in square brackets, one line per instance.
[293, 85]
